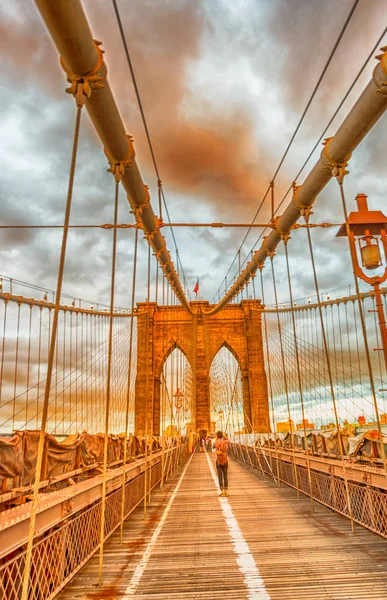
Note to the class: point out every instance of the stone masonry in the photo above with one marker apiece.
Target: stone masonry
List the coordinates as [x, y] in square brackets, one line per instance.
[161, 329]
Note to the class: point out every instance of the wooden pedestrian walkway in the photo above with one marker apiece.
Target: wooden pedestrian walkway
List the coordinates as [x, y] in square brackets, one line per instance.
[259, 543]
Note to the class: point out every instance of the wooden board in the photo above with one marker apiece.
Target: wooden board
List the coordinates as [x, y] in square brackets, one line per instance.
[301, 552]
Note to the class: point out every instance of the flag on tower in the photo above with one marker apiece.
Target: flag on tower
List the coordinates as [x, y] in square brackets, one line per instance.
[196, 288]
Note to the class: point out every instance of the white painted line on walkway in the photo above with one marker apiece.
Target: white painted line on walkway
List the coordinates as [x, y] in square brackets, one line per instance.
[253, 580]
[132, 587]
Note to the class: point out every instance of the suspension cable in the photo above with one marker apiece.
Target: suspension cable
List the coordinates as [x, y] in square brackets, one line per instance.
[340, 180]
[108, 386]
[295, 178]
[144, 121]
[328, 363]
[269, 374]
[134, 277]
[317, 85]
[39, 459]
[297, 356]
[284, 376]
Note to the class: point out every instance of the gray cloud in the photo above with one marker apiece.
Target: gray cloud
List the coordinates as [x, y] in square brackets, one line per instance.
[222, 87]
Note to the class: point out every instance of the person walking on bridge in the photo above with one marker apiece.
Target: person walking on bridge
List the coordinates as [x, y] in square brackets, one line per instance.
[221, 446]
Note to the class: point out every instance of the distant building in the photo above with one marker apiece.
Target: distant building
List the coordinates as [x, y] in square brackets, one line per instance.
[305, 425]
[283, 427]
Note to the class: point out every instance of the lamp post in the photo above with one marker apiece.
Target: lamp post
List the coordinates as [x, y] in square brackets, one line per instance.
[178, 397]
[366, 230]
[221, 417]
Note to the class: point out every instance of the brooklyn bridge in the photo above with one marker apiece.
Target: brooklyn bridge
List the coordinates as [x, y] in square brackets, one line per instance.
[241, 291]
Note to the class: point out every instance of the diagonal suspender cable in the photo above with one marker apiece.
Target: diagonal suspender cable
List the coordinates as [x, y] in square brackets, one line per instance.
[329, 60]
[331, 385]
[108, 386]
[298, 365]
[285, 376]
[128, 384]
[50, 362]
[368, 109]
[340, 180]
[370, 55]
[144, 121]
[82, 58]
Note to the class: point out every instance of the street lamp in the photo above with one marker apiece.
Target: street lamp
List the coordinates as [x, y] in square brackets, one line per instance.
[367, 231]
[221, 416]
[178, 397]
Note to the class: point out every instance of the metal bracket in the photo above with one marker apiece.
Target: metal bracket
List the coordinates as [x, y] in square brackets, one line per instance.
[117, 167]
[337, 169]
[382, 90]
[81, 86]
[305, 211]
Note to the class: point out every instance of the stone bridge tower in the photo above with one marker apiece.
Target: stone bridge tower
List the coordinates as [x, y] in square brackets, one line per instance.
[161, 329]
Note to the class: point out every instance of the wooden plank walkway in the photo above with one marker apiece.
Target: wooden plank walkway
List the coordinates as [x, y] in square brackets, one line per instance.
[260, 543]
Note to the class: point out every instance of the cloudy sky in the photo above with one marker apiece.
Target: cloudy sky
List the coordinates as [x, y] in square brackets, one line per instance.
[223, 86]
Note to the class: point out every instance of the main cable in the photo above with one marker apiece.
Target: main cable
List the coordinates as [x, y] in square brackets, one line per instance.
[144, 121]
[317, 85]
[370, 55]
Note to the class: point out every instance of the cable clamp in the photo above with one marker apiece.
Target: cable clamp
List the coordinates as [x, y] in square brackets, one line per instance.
[158, 253]
[284, 235]
[271, 254]
[338, 169]
[81, 86]
[138, 210]
[118, 167]
[305, 210]
[119, 226]
[382, 90]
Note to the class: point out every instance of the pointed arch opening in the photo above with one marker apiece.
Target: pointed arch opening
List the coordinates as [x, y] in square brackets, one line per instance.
[226, 392]
[176, 392]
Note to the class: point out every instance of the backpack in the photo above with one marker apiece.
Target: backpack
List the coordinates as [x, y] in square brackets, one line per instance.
[221, 452]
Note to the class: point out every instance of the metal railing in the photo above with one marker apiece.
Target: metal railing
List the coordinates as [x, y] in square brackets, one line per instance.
[368, 503]
[59, 555]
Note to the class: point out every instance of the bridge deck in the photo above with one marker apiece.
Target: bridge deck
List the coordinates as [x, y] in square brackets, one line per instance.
[260, 543]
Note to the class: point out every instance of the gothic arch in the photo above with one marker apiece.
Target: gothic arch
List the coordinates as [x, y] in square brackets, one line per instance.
[161, 359]
[226, 344]
[199, 337]
[244, 375]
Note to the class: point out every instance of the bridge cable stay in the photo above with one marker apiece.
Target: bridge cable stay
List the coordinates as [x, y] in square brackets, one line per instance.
[328, 363]
[148, 430]
[80, 97]
[339, 173]
[128, 402]
[297, 311]
[307, 350]
[268, 366]
[310, 100]
[338, 360]
[161, 196]
[312, 362]
[297, 357]
[79, 370]
[146, 415]
[357, 77]
[295, 178]
[284, 374]
[289, 345]
[117, 177]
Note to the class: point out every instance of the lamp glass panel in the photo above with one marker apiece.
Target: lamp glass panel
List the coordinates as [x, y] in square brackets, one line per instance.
[371, 256]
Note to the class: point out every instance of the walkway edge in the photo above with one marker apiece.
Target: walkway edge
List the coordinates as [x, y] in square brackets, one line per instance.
[256, 589]
[136, 577]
